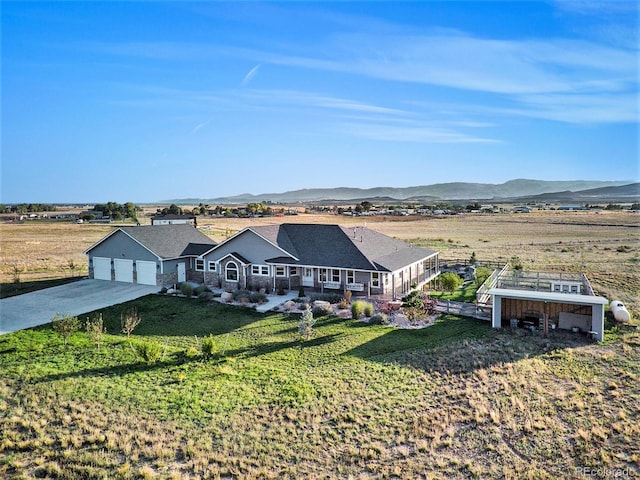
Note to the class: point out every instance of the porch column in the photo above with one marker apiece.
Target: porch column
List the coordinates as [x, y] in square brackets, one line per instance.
[597, 321]
[496, 313]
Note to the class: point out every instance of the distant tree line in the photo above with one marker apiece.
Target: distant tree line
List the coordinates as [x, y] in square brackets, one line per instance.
[117, 211]
[27, 208]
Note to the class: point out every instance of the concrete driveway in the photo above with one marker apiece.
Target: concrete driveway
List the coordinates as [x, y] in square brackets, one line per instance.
[37, 308]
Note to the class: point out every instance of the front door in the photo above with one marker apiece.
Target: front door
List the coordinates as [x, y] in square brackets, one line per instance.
[182, 274]
[307, 277]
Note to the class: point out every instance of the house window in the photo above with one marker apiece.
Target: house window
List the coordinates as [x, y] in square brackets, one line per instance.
[260, 270]
[293, 271]
[375, 279]
[335, 275]
[231, 272]
[200, 264]
[351, 276]
[212, 266]
[322, 274]
[281, 271]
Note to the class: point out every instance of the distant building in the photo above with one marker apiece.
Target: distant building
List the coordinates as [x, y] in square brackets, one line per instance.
[572, 207]
[521, 210]
[173, 219]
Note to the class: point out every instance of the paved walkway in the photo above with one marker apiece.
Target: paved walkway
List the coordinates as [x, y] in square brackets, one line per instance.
[37, 308]
[275, 300]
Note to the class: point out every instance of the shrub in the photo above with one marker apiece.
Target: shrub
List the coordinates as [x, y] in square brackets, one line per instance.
[186, 289]
[129, 320]
[200, 289]
[482, 273]
[205, 296]
[516, 263]
[321, 311]
[379, 319]
[242, 296]
[305, 327]
[413, 299]
[280, 290]
[209, 346]
[163, 290]
[65, 325]
[301, 292]
[149, 351]
[450, 281]
[357, 309]
[413, 313]
[95, 329]
[258, 298]
[347, 296]
[343, 304]
[368, 309]
[191, 352]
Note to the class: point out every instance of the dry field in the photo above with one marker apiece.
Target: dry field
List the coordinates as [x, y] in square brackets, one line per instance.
[455, 400]
[605, 245]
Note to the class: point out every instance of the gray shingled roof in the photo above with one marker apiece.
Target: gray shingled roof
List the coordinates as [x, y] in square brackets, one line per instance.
[171, 241]
[342, 247]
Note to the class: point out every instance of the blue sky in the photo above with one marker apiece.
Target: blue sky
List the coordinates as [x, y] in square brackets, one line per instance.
[145, 101]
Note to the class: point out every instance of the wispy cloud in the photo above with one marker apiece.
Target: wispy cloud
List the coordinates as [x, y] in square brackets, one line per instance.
[597, 7]
[249, 76]
[198, 127]
[310, 99]
[410, 133]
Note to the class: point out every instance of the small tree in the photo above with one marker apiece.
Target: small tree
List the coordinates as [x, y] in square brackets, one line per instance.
[450, 281]
[482, 273]
[305, 327]
[208, 346]
[150, 352]
[16, 274]
[95, 329]
[473, 259]
[129, 320]
[72, 266]
[516, 263]
[65, 325]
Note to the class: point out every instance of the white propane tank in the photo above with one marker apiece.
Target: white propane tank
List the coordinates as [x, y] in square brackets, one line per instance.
[620, 313]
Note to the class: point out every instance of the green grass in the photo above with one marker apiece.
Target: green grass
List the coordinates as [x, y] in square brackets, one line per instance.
[465, 293]
[353, 401]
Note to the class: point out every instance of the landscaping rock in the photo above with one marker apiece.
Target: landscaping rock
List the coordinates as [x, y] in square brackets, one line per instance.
[322, 304]
[290, 305]
[226, 297]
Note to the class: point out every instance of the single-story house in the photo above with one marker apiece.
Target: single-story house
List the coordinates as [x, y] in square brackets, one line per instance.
[173, 219]
[329, 258]
[545, 301]
[150, 255]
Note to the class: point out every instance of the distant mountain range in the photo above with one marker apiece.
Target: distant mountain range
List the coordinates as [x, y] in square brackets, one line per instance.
[513, 190]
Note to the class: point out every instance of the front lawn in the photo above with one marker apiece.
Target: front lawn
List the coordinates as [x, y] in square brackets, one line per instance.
[354, 400]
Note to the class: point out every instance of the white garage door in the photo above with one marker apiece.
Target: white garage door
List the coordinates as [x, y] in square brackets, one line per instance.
[124, 270]
[101, 268]
[146, 272]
